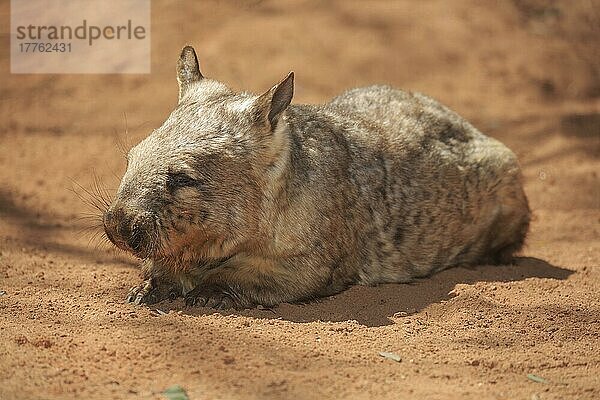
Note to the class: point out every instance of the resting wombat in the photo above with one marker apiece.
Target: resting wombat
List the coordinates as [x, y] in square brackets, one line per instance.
[238, 200]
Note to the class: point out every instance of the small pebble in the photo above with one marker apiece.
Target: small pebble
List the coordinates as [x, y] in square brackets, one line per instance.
[391, 356]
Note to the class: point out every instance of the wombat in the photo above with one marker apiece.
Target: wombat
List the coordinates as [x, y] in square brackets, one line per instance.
[240, 200]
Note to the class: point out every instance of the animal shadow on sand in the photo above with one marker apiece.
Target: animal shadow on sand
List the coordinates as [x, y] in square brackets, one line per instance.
[374, 306]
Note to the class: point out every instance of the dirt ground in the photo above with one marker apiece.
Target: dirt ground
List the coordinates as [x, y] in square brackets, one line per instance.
[525, 72]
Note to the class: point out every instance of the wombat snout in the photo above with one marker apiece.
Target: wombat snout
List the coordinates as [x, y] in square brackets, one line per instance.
[128, 230]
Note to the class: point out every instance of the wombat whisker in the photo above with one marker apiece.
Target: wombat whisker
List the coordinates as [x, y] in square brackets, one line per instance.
[122, 143]
[96, 215]
[101, 191]
[91, 197]
[87, 231]
[90, 217]
[97, 198]
[97, 239]
[94, 236]
[90, 223]
[114, 174]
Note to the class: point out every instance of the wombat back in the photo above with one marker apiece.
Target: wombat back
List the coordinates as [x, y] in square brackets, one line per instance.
[455, 194]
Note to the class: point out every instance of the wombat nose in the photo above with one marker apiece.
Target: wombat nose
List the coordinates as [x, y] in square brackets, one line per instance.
[110, 222]
[125, 230]
[134, 233]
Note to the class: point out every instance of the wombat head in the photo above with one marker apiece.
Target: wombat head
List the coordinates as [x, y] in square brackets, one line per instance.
[193, 188]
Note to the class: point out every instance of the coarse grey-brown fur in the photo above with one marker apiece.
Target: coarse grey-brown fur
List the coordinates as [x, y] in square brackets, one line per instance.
[240, 200]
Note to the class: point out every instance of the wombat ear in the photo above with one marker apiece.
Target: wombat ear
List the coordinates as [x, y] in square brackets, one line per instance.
[278, 98]
[188, 69]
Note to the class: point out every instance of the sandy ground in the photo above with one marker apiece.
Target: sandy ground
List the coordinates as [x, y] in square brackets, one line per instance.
[526, 72]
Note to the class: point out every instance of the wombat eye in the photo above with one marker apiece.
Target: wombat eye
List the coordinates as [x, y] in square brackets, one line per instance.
[178, 180]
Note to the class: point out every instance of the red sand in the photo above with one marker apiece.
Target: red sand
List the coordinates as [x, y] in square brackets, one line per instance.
[526, 72]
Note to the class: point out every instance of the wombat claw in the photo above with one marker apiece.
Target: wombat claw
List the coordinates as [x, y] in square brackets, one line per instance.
[211, 298]
[146, 292]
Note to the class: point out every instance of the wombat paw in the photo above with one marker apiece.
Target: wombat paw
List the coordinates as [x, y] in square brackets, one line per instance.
[143, 293]
[211, 297]
[149, 293]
